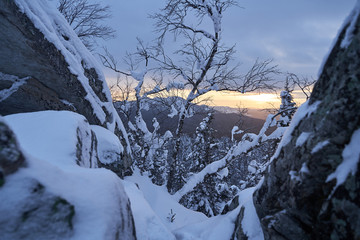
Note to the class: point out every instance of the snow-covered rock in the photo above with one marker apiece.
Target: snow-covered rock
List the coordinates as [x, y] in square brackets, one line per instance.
[311, 189]
[45, 66]
[56, 191]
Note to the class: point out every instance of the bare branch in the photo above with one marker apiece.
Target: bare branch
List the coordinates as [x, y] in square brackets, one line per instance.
[303, 83]
[86, 18]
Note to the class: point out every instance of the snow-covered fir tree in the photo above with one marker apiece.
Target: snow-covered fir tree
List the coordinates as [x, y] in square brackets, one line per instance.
[200, 155]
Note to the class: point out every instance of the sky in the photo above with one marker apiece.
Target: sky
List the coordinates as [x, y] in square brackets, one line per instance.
[296, 34]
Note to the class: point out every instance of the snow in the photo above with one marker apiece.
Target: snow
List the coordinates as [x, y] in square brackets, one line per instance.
[302, 138]
[17, 82]
[52, 135]
[222, 226]
[235, 130]
[48, 140]
[277, 134]
[304, 169]
[54, 26]
[215, 228]
[350, 24]
[351, 157]
[223, 173]
[108, 145]
[294, 176]
[250, 223]
[69, 104]
[319, 146]
[303, 111]
[241, 147]
[151, 206]
[148, 224]
[175, 85]
[173, 112]
[139, 76]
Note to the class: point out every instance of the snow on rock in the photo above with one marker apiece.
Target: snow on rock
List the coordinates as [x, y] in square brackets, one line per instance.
[351, 158]
[303, 111]
[109, 147]
[349, 24]
[302, 138]
[319, 146]
[53, 25]
[50, 143]
[250, 222]
[62, 136]
[81, 63]
[17, 82]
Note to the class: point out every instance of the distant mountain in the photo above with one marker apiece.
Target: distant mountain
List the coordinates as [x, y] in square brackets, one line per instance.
[225, 118]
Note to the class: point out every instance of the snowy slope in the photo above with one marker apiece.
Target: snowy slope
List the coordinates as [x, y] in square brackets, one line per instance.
[50, 143]
[162, 203]
[152, 204]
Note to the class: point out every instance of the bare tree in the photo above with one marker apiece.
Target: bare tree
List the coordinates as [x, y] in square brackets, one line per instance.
[303, 83]
[201, 64]
[85, 18]
[205, 64]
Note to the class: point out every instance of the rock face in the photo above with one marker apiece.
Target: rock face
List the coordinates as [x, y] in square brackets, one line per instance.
[44, 66]
[312, 187]
[11, 157]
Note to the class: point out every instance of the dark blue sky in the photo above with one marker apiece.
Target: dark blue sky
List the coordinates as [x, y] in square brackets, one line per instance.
[296, 34]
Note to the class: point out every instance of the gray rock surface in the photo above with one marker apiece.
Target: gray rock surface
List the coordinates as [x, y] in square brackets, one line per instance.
[303, 204]
[11, 157]
[26, 53]
[36, 76]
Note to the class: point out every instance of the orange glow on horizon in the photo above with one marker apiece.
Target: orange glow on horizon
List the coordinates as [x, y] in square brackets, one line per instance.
[249, 100]
[236, 100]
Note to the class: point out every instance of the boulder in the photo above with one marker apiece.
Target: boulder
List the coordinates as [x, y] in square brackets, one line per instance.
[312, 187]
[45, 66]
[50, 187]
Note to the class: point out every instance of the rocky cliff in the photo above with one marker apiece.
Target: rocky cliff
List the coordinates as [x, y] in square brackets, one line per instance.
[44, 66]
[312, 187]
